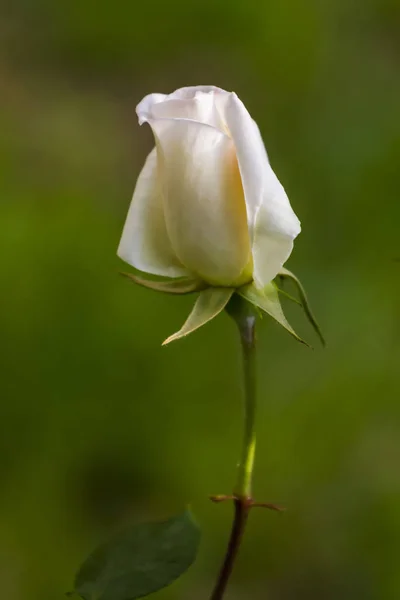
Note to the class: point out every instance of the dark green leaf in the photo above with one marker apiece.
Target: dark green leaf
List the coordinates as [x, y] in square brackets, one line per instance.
[139, 560]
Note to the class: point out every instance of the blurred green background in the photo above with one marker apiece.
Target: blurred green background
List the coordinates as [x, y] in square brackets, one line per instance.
[97, 421]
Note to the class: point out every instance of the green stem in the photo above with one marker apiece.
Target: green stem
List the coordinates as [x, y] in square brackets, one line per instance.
[246, 326]
[245, 317]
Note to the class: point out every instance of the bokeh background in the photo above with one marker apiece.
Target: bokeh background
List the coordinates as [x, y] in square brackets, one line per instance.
[97, 421]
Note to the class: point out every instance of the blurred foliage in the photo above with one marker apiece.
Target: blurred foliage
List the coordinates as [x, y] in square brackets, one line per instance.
[97, 421]
[139, 560]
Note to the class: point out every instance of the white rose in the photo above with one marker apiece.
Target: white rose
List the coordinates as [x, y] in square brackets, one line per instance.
[207, 202]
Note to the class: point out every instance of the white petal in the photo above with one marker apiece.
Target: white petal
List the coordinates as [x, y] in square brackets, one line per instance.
[270, 248]
[186, 93]
[196, 103]
[145, 107]
[144, 243]
[272, 223]
[204, 205]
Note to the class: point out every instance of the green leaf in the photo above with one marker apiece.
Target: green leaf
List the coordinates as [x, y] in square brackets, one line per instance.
[184, 285]
[303, 301]
[268, 300]
[208, 305]
[140, 560]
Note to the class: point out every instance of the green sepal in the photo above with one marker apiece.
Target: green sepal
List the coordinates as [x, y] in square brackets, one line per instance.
[288, 296]
[268, 300]
[139, 561]
[284, 273]
[184, 285]
[208, 305]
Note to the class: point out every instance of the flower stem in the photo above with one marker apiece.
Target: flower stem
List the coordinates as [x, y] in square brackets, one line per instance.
[238, 526]
[245, 317]
[246, 465]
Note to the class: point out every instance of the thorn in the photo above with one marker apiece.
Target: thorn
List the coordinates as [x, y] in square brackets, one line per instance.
[275, 507]
[221, 498]
[249, 502]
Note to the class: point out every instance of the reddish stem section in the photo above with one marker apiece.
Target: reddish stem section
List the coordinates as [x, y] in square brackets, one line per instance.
[242, 508]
